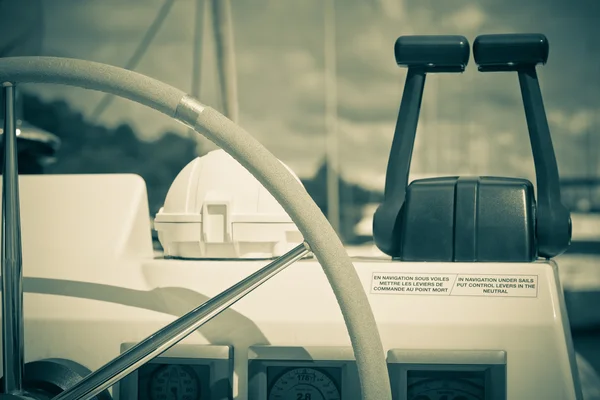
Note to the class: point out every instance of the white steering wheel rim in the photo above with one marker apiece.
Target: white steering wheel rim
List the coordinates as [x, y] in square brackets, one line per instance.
[319, 234]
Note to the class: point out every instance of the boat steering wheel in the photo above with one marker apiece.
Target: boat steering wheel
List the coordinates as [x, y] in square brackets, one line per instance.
[317, 232]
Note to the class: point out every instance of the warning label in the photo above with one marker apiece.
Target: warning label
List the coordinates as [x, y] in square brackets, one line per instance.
[455, 284]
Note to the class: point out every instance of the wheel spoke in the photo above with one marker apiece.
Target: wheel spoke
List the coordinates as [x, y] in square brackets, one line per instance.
[176, 331]
[12, 278]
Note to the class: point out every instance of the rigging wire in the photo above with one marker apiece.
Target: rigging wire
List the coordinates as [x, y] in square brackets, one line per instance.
[138, 54]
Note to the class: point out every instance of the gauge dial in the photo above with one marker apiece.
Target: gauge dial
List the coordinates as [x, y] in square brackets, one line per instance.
[445, 389]
[175, 382]
[304, 384]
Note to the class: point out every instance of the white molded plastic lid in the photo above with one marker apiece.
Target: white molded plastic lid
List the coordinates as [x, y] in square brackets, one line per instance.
[216, 209]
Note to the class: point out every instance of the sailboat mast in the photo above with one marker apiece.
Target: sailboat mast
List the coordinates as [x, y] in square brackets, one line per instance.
[197, 51]
[224, 45]
[332, 151]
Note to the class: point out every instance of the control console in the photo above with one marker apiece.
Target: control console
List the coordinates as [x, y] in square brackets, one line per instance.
[448, 329]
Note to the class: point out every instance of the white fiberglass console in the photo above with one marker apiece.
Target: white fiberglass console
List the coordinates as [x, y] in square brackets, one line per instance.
[459, 330]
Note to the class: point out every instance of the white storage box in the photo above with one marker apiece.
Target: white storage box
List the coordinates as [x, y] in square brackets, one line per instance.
[217, 209]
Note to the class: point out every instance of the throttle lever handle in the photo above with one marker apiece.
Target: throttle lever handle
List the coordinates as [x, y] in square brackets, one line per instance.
[522, 53]
[510, 52]
[421, 54]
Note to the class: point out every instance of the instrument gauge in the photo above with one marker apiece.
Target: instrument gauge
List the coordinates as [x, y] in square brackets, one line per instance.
[175, 382]
[304, 384]
[445, 389]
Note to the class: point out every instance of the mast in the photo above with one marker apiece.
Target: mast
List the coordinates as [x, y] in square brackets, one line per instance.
[224, 46]
[197, 50]
[332, 151]
[202, 23]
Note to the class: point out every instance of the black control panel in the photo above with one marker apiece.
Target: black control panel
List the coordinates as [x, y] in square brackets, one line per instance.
[472, 219]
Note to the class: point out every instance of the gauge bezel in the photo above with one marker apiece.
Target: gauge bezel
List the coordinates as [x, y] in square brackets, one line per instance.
[212, 363]
[464, 378]
[491, 364]
[337, 363]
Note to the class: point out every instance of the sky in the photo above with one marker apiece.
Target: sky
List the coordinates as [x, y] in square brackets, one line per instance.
[471, 123]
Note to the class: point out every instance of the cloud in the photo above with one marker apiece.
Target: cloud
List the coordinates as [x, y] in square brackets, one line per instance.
[577, 123]
[116, 22]
[393, 9]
[469, 18]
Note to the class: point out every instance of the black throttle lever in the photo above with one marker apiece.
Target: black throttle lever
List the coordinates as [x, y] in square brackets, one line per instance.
[522, 53]
[422, 55]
